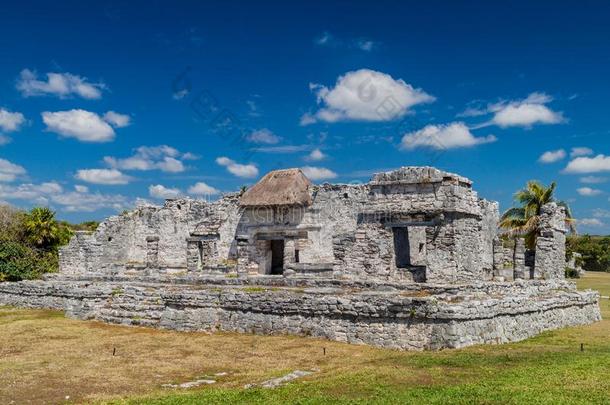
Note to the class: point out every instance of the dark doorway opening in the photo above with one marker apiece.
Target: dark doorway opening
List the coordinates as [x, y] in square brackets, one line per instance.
[277, 256]
[401, 247]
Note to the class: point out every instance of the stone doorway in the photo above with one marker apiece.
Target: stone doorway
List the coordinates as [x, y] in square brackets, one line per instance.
[277, 256]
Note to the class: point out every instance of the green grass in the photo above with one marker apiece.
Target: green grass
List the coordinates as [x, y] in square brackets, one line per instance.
[549, 368]
[45, 357]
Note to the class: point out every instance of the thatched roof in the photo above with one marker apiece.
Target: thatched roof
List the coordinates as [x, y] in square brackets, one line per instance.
[279, 187]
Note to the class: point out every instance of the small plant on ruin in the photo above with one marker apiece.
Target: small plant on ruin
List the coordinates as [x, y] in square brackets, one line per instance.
[525, 219]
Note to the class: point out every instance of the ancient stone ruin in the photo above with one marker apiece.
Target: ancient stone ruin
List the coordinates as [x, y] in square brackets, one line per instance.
[410, 260]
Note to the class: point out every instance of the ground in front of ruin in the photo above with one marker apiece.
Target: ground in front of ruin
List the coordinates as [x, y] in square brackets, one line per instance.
[46, 358]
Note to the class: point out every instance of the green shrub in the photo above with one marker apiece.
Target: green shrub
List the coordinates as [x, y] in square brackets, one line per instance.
[17, 262]
[571, 273]
[595, 251]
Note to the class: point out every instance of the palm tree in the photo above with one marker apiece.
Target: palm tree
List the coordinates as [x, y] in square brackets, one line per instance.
[525, 220]
[41, 228]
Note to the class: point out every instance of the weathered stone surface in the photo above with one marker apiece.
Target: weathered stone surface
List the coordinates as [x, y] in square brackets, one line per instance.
[411, 260]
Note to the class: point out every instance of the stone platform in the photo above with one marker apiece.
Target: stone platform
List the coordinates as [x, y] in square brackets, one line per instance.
[406, 316]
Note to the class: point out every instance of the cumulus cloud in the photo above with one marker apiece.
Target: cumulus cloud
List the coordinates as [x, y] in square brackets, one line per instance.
[10, 121]
[318, 173]
[199, 189]
[518, 113]
[240, 170]
[594, 222]
[580, 151]
[162, 192]
[552, 156]
[117, 120]
[5, 140]
[599, 163]
[52, 193]
[263, 136]
[162, 157]
[453, 135]
[588, 191]
[81, 189]
[10, 171]
[58, 84]
[365, 95]
[315, 155]
[83, 125]
[593, 179]
[103, 176]
[202, 189]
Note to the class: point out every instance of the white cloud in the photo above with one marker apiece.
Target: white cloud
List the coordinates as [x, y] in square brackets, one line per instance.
[89, 202]
[52, 193]
[366, 45]
[5, 140]
[365, 95]
[552, 156]
[202, 189]
[318, 173]
[453, 135]
[324, 39]
[180, 94]
[240, 170]
[10, 171]
[263, 136]
[80, 124]
[580, 151]
[282, 149]
[307, 119]
[590, 222]
[593, 180]
[521, 113]
[103, 176]
[315, 155]
[527, 112]
[588, 191]
[601, 213]
[10, 121]
[162, 157]
[599, 163]
[329, 40]
[81, 189]
[171, 165]
[117, 120]
[58, 84]
[162, 192]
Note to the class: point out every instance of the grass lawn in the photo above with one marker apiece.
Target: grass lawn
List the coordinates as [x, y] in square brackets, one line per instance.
[45, 358]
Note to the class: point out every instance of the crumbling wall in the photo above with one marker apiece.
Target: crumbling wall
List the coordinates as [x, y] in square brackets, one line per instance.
[127, 240]
[551, 243]
[366, 253]
[81, 254]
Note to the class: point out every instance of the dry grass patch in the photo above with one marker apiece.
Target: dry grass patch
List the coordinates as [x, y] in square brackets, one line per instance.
[45, 358]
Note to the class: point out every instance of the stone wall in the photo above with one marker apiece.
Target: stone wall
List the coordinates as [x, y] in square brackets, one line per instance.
[439, 317]
[347, 229]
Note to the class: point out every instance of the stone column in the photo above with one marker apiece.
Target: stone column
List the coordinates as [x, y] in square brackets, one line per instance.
[152, 251]
[243, 255]
[192, 254]
[289, 256]
[551, 243]
[498, 257]
[519, 259]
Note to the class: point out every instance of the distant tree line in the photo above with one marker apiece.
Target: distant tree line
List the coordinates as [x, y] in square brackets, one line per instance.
[595, 251]
[30, 242]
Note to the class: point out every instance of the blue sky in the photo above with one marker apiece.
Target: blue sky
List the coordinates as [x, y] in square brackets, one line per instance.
[106, 105]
